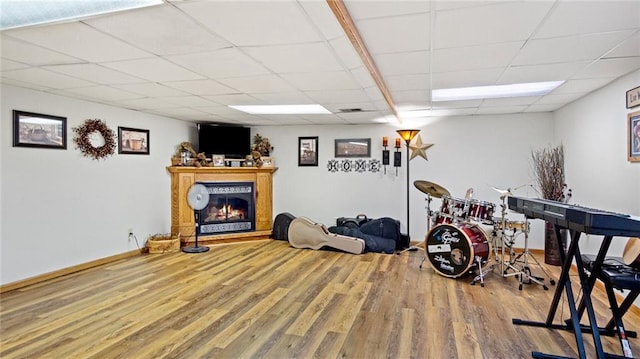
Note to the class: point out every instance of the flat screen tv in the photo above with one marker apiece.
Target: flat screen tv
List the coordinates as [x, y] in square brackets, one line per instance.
[230, 141]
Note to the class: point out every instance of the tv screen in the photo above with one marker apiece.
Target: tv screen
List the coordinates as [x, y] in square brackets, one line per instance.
[230, 141]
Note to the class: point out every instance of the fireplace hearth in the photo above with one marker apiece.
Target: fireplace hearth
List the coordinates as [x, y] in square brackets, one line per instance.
[231, 208]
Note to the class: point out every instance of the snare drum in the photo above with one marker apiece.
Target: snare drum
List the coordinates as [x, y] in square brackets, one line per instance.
[454, 207]
[452, 249]
[481, 211]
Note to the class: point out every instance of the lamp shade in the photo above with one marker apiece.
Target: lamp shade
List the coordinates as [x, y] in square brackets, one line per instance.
[408, 135]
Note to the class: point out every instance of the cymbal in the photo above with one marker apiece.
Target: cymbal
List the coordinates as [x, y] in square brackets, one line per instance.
[431, 188]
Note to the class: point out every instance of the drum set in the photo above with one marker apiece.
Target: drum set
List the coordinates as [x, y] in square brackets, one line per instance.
[458, 243]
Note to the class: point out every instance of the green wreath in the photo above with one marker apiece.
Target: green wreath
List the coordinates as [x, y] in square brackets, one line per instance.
[83, 142]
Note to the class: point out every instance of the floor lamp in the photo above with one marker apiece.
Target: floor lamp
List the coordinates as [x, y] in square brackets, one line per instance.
[407, 136]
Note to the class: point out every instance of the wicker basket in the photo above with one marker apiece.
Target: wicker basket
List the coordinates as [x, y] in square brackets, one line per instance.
[163, 244]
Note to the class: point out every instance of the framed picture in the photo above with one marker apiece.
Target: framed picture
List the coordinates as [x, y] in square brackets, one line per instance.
[308, 151]
[133, 141]
[633, 97]
[217, 160]
[353, 147]
[633, 143]
[268, 162]
[37, 130]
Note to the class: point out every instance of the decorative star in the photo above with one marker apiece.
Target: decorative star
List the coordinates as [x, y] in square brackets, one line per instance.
[418, 148]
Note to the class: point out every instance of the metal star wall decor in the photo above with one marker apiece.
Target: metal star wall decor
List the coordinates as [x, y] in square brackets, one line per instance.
[418, 148]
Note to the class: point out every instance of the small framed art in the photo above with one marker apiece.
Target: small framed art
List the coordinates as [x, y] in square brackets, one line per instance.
[308, 151]
[353, 147]
[133, 141]
[633, 97]
[38, 130]
[633, 133]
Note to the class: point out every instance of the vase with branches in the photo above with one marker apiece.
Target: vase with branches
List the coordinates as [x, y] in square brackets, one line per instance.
[548, 168]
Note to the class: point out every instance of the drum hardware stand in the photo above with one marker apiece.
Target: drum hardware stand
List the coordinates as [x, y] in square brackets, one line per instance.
[482, 273]
[417, 247]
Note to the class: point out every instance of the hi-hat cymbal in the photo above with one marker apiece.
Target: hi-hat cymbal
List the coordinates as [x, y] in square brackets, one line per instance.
[431, 188]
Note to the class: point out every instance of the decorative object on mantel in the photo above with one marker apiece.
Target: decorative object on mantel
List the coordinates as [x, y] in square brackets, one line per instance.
[185, 155]
[548, 167]
[163, 243]
[84, 140]
[261, 148]
[418, 148]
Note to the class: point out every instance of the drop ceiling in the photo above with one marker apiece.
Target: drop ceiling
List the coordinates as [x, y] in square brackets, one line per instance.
[189, 59]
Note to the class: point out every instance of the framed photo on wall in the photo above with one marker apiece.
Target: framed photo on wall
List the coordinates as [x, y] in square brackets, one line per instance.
[633, 142]
[38, 130]
[353, 147]
[633, 97]
[308, 151]
[133, 141]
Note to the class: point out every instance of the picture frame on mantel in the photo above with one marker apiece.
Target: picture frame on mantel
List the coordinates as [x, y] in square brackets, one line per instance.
[633, 97]
[308, 151]
[633, 140]
[37, 130]
[133, 141]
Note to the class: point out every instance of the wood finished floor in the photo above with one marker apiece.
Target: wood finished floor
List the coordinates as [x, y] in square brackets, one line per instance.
[268, 300]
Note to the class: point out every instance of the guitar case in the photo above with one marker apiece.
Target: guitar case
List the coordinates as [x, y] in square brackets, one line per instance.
[281, 226]
[304, 233]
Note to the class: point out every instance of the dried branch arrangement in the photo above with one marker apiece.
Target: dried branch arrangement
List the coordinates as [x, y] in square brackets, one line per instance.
[548, 166]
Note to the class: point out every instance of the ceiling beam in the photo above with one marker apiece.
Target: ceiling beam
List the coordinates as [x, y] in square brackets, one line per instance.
[342, 15]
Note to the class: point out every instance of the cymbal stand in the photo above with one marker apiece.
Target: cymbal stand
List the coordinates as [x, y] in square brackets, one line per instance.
[499, 259]
[415, 248]
[525, 272]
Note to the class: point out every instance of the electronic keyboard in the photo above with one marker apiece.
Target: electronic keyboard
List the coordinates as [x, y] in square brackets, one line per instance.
[578, 218]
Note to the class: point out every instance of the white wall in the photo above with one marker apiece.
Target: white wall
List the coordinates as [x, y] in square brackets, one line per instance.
[60, 209]
[594, 132]
[476, 151]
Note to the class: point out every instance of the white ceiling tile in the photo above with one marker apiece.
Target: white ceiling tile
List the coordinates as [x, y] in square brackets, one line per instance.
[146, 103]
[235, 99]
[263, 83]
[395, 34]
[374, 94]
[8, 65]
[179, 112]
[323, 18]
[493, 23]
[475, 57]
[154, 69]
[543, 108]
[362, 77]
[407, 82]
[402, 63]
[510, 101]
[255, 23]
[307, 57]
[151, 89]
[318, 81]
[161, 30]
[79, 40]
[46, 78]
[538, 73]
[346, 106]
[360, 10]
[338, 96]
[630, 47]
[27, 53]
[609, 68]
[346, 53]
[103, 93]
[466, 78]
[18, 83]
[499, 110]
[581, 86]
[94, 73]
[189, 101]
[284, 98]
[454, 112]
[220, 64]
[200, 87]
[584, 17]
[559, 98]
[411, 98]
[569, 48]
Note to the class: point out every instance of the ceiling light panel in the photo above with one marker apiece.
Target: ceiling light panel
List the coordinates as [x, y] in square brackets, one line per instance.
[497, 91]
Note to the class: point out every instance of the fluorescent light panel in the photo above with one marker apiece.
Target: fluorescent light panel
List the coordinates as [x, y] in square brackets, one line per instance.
[20, 13]
[497, 91]
[282, 109]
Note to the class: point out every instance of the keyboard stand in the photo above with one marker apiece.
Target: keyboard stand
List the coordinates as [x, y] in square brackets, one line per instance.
[564, 283]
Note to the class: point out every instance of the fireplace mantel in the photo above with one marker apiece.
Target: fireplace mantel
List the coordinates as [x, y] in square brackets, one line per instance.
[182, 219]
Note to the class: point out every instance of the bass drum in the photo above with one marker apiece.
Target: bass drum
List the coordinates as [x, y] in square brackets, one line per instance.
[452, 248]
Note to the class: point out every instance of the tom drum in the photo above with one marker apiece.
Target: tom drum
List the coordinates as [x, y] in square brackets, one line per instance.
[452, 249]
[481, 211]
